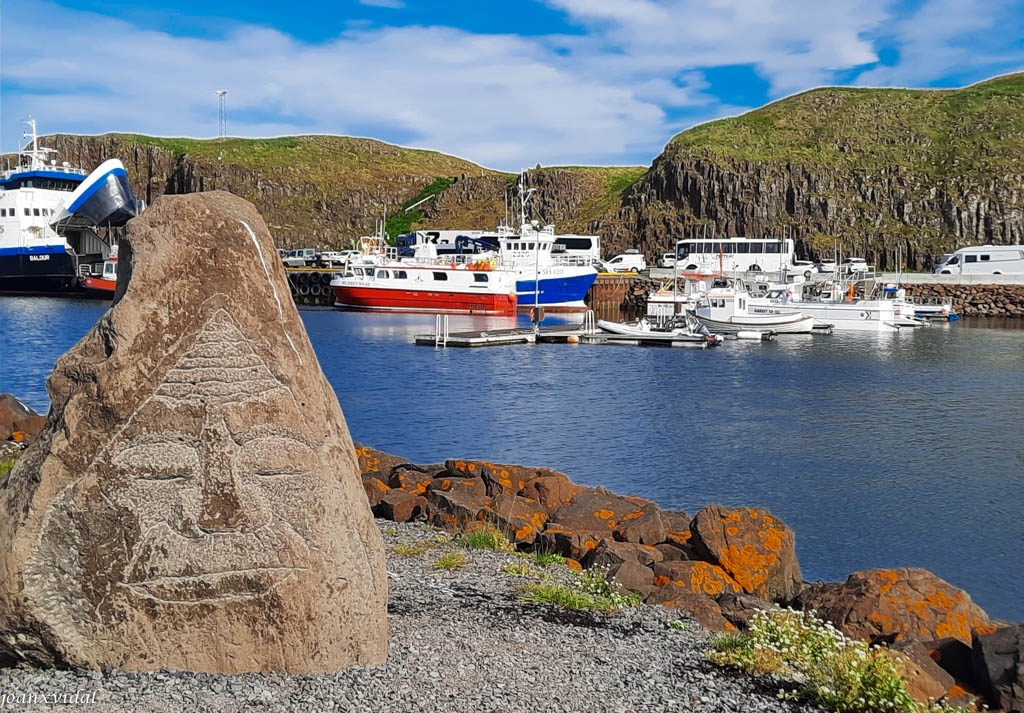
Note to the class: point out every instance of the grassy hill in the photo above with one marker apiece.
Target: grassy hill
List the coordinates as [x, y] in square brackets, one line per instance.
[977, 129]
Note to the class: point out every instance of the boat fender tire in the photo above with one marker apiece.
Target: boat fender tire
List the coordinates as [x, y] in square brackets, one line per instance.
[303, 290]
[316, 291]
[325, 279]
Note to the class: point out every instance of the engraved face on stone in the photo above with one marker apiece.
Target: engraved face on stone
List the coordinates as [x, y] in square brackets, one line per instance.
[216, 496]
[222, 492]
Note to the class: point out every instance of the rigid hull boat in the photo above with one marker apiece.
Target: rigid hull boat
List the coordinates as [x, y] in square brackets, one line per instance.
[727, 309]
[681, 330]
[417, 287]
[48, 215]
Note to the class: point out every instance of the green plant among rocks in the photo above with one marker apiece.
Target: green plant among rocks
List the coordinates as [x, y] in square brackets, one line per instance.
[544, 558]
[591, 590]
[485, 538]
[827, 668]
[517, 569]
[411, 549]
[450, 561]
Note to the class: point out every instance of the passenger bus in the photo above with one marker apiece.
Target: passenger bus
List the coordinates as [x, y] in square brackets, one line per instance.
[735, 254]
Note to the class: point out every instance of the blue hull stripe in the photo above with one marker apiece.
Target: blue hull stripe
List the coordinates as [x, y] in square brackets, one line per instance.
[100, 182]
[555, 290]
[59, 248]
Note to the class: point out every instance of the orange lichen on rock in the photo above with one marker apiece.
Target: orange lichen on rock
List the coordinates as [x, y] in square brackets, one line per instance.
[661, 580]
[911, 603]
[574, 565]
[604, 514]
[754, 548]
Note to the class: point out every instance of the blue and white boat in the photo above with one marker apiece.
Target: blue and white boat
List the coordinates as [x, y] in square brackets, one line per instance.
[548, 273]
[49, 215]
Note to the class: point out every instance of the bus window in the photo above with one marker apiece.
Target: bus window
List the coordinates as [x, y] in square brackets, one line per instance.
[741, 248]
[716, 248]
[772, 247]
[757, 247]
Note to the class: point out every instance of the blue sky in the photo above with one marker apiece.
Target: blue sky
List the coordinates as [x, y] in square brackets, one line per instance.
[505, 84]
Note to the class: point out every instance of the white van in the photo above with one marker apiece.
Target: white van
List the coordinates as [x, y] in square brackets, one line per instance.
[630, 261]
[984, 260]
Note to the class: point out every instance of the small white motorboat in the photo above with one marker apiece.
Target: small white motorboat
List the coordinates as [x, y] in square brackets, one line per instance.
[678, 331]
[726, 309]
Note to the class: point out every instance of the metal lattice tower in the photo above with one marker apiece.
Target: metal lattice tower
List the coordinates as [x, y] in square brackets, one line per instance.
[222, 113]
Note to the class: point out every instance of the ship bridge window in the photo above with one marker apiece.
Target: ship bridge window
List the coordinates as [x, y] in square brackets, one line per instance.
[28, 212]
[478, 277]
[401, 274]
[35, 211]
[383, 274]
[440, 276]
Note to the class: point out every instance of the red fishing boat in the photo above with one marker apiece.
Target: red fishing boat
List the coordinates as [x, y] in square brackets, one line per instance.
[102, 286]
[390, 285]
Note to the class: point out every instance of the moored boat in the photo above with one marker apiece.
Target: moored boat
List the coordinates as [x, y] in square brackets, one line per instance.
[103, 285]
[48, 219]
[682, 330]
[387, 285]
[727, 309]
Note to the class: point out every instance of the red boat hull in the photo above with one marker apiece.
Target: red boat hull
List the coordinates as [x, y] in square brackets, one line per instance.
[398, 300]
[99, 287]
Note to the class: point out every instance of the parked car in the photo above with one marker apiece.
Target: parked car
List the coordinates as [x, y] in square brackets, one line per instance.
[302, 257]
[667, 260]
[854, 264]
[630, 261]
[805, 268]
[282, 253]
[826, 266]
[336, 258]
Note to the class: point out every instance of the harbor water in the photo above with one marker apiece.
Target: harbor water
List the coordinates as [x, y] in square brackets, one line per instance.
[886, 450]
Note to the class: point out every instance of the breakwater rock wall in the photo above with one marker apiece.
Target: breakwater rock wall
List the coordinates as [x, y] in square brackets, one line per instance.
[976, 300]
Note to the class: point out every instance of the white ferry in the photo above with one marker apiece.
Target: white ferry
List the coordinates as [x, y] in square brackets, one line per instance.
[48, 214]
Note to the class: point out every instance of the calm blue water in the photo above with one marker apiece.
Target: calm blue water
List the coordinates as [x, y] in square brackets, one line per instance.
[879, 450]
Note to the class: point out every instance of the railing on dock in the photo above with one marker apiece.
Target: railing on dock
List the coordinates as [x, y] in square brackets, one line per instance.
[441, 330]
[589, 324]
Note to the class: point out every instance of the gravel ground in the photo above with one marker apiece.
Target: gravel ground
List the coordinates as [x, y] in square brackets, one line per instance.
[460, 641]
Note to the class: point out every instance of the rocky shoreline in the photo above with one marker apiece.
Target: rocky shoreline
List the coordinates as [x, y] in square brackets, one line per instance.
[459, 640]
[465, 636]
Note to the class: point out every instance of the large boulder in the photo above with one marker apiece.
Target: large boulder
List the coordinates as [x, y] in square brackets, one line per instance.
[896, 604]
[195, 500]
[999, 666]
[755, 549]
[624, 518]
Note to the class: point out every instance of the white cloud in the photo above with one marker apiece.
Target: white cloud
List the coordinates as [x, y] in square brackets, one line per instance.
[614, 94]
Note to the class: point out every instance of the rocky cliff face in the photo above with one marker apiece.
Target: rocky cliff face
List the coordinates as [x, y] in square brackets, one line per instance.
[876, 215]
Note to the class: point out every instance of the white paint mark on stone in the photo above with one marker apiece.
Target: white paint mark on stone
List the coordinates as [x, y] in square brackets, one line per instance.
[266, 271]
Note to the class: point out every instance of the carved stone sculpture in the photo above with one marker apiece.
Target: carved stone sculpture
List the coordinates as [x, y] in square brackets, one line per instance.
[195, 500]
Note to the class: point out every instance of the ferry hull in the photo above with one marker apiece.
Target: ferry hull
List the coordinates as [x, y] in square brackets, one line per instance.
[556, 294]
[38, 273]
[398, 300]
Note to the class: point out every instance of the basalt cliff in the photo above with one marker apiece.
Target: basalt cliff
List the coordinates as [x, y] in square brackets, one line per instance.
[876, 172]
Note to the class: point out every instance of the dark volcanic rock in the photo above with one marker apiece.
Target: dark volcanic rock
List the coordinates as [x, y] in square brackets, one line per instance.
[999, 666]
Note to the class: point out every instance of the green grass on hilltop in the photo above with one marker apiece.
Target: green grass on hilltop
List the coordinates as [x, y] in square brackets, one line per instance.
[975, 129]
